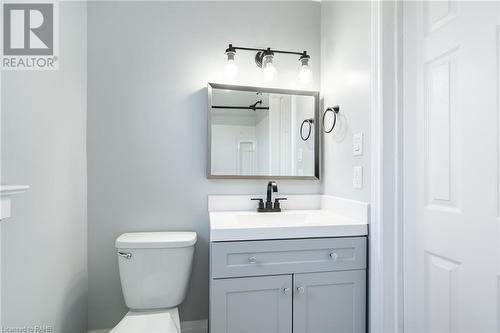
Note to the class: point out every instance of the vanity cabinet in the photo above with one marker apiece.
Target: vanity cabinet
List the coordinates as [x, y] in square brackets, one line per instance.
[329, 302]
[300, 285]
[252, 305]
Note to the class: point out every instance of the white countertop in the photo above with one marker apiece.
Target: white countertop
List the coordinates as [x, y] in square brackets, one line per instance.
[231, 226]
[334, 217]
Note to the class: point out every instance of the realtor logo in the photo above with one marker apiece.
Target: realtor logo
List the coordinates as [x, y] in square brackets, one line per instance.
[29, 35]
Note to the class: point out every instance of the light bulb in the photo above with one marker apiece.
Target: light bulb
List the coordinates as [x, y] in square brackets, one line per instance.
[268, 67]
[305, 74]
[305, 70]
[269, 72]
[231, 67]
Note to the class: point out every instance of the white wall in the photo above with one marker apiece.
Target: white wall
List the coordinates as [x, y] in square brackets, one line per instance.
[148, 67]
[44, 243]
[345, 80]
[226, 156]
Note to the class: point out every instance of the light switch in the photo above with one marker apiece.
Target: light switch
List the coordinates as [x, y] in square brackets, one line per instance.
[357, 144]
[357, 177]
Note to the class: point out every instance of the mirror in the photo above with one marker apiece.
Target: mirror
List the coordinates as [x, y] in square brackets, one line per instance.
[261, 133]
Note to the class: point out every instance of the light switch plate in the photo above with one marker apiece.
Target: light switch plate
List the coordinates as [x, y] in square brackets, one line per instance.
[357, 177]
[357, 144]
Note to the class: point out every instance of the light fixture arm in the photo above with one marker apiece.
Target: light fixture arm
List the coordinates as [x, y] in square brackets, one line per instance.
[234, 48]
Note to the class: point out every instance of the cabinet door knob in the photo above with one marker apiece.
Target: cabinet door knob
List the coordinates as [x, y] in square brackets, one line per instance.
[252, 260]
[286, 291]
[300, 290]
[334, 256]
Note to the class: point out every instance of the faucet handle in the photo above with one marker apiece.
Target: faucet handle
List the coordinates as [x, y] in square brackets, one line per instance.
[277, 202]
[261, 202]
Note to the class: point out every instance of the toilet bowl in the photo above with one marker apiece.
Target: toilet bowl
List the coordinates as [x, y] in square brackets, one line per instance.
[154, 272]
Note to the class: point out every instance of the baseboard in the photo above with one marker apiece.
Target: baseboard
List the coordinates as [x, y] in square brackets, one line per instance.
[195, 326]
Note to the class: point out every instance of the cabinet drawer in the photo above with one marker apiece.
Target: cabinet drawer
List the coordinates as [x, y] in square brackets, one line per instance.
[250, 258]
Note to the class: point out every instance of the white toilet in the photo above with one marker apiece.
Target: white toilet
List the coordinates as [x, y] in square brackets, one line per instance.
[154, 272]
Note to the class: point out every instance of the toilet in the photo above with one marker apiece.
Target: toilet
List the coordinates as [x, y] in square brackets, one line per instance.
[154, 273]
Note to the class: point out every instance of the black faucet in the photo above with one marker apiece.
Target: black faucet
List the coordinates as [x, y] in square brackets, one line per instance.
[271, 187]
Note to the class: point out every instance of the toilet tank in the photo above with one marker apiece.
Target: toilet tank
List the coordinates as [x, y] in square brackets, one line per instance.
[155, 268]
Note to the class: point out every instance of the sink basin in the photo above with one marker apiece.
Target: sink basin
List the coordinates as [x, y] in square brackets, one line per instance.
[247, 225]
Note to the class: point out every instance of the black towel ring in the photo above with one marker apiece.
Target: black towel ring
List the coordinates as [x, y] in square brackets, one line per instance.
[310, 122]
[335, 109]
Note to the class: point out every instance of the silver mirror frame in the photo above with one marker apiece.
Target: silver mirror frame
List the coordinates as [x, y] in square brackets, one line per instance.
[317, 130]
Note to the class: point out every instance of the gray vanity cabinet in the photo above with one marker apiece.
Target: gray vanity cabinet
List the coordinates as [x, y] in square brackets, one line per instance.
[277, 286]
[252, 305]
[329, 302]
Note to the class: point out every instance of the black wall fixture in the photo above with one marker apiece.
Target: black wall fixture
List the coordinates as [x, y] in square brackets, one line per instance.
[335, 109]
[264, 58]
[310, 123]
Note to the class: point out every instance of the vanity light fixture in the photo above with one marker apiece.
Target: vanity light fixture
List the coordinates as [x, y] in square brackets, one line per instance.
[264, 58]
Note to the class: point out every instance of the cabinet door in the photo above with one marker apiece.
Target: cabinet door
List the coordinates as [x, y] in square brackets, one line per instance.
[255, 304]
[329, 302]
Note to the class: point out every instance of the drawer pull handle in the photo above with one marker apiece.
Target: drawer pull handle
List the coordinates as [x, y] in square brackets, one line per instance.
[252, 260]
[301, 290]
[334, 256]
[286, 291]
[125, 255]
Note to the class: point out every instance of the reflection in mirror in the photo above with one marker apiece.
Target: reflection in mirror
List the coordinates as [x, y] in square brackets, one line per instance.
[259, 132]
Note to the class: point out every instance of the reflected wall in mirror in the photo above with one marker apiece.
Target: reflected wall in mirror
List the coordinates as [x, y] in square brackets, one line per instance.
[262, 132]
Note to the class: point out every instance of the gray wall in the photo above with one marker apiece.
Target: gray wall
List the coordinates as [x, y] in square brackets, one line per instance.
[345, 80]
[44, 243]
[148, 66]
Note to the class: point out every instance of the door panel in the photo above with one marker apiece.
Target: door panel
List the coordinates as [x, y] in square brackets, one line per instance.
[250, 305]
[450, 166]
[329, 302]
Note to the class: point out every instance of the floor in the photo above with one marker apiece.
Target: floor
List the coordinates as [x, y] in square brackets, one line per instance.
[196, 326]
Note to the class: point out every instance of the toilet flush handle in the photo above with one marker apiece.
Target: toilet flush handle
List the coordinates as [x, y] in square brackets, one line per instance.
[126, 255]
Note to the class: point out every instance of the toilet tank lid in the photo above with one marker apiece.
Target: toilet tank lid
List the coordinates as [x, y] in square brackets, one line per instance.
[155, 240]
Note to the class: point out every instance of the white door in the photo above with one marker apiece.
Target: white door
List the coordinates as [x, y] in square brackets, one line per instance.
[451, 169]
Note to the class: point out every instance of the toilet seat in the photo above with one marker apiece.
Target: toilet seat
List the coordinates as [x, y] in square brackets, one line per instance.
[151, 321]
